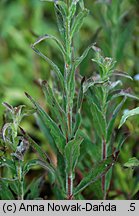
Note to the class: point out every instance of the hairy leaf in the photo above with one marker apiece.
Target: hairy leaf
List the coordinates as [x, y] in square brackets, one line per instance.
[132, 162]
[99, 121]
[53, 65]
[55, 107]
[5, 192]
[128, 114]
[113, 118]
[55, 131]
[78, 22]
[72, 152]
[79, 60]
[36, 162]
[96, 173]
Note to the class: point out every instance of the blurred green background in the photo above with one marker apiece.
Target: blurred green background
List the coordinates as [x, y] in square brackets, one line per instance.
[113, 25]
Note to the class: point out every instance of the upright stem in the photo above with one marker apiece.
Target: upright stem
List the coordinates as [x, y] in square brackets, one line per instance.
[70, 187]
[68, 68]
[104, 146]
[104, 155]
[20, 179]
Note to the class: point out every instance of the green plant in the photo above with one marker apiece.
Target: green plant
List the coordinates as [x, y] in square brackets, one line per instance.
[64, 128]
[63, 124]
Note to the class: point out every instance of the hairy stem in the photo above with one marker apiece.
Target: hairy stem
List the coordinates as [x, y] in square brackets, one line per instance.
[20, 179]
[70, 187]
[104, 156]
[68, 68]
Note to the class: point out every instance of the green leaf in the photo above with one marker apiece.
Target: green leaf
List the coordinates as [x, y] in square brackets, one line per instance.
[79, 60]
[71, 86]
[46, 131]
[5, 162]
[72, 152]
[121, 142]
[81, 2]
[46, 36]
[55, 131]
[35, 146]
[132, 162]
[63, 7]
[72, 10]
[122, 74]
[78, 109]
[14, 186]
[34, 189]
[36, 162]
[78, 22]
[96, 173]
[99, 121]
[55, 107]
[128, 114]
[77, 123]
[60, 20]
[119, 93]
[113, 118]
[53, 65]
[5, 192]
[80, 95]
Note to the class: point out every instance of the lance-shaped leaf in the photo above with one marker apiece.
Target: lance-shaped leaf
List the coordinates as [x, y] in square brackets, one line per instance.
[77, 123]
[78, 109]
[60, 17]
[53, 65]
[72, 152]
[122, 74]
[71, 86]
[81, 2]
[113, 118]
[79, 60]
[63, 7]
[5, 162]
[54, 129]
[119, 93]
[96, 173]
[5, 192]
[37, 162]
[99, 121]
[132, 163]
[80, 95]
[55, 107]
[128, 114]
[78, 21]
[35, 146]
[72, 10]
[121, 142]
[46, 37]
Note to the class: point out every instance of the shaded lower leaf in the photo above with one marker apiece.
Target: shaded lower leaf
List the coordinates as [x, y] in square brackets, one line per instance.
[5, 192]
[96, 173]
[34, 189]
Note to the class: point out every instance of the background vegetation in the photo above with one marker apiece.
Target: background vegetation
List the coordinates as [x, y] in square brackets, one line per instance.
[114, 26]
